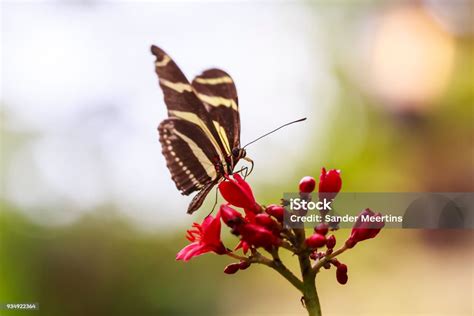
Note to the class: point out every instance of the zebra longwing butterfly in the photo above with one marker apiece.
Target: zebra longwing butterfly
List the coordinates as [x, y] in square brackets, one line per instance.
[200, 139]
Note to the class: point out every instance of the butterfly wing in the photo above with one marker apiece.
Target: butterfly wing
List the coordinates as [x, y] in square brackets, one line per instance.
[199, 198]
[216, 90]
[193, 148]
[182, 102]
[189, 154]
[189, 157]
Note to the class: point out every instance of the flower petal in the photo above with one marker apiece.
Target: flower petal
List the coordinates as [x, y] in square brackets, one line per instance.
[238, 193]
[183, 254]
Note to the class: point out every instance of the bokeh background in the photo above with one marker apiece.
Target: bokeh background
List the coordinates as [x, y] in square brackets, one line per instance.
[90, 220]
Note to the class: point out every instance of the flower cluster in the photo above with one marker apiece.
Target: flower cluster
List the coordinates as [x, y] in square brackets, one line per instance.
[261, 227]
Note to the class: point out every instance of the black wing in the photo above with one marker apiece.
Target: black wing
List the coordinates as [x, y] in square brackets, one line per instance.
[189, 155]
[182, 102]
[216, 89]
[199, 198]
[190, 158]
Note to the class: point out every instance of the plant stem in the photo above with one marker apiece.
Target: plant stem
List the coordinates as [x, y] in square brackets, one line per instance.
[235, 256]
[310, 295]
[278, 266]
[275, 264]
[323, 261]
[288, 246]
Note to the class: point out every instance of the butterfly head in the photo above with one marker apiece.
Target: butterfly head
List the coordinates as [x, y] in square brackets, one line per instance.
[238, 153]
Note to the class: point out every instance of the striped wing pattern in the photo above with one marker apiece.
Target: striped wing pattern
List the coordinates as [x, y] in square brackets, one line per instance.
[202, 129]
[180, 99]
[216, 90]
[187, 153]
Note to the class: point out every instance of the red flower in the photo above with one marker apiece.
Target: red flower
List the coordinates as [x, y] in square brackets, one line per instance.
[367, 226]
[205, 237]
[329, 184]
[230, 217]
[259, 236]
[276, 211]
[244, 245]
[266, 221]
[238, 193]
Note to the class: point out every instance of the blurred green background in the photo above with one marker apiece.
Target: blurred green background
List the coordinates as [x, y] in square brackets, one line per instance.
[90, 220]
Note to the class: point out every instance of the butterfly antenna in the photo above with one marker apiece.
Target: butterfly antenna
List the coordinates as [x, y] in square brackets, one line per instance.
[276, 129]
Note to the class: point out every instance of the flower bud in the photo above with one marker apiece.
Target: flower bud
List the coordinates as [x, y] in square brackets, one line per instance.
[264, 220]
[331, 242]
[315, 240]
[350, 243]
[232, 268]
[230, 216]
[259, 236]
[316, 255]
[363, 230]
[322, 229]
[307, 184]
[244, 265]
[329, 184]
[276, 211]
[341, 273]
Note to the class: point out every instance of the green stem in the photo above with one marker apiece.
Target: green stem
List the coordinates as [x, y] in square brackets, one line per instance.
[275, 264]
[310, 295]
[279, 267]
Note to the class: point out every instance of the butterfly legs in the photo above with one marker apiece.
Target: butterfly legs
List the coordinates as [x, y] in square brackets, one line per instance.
[245, 170]
[251, 166]
[215, 202]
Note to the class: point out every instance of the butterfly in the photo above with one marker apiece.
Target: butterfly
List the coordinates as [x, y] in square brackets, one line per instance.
[200, 139]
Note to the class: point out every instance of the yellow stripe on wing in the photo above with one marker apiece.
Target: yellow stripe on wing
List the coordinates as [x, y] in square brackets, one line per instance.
[218, 101]
[200, 155]
[222, 136]
[166, 59]
[193, 118]
[214, 81]
[176, 86]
